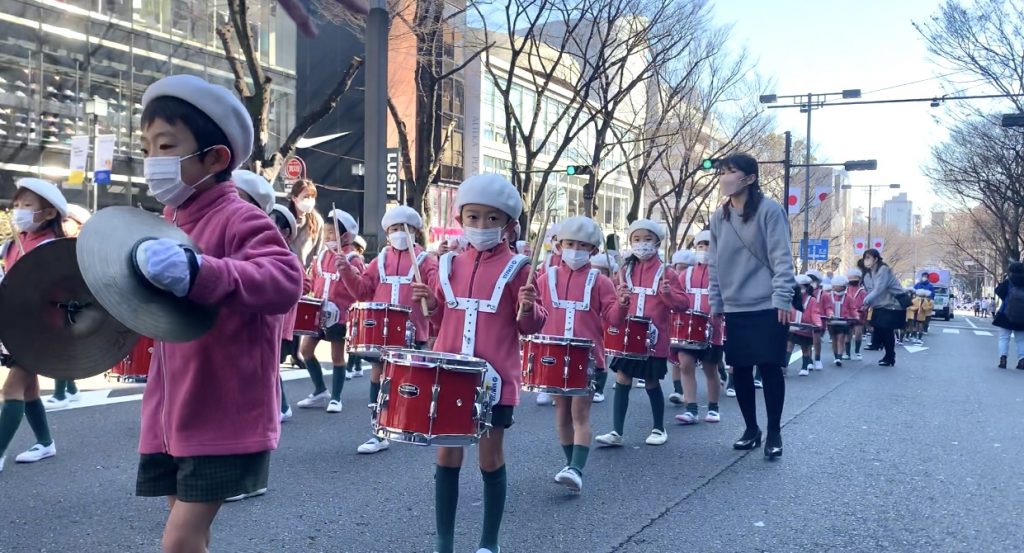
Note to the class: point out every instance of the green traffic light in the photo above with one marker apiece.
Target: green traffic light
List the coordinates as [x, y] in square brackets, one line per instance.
[570, 170]
[707, 164]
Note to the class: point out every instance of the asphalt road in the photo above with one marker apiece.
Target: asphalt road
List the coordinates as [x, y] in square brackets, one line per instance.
[923, 456]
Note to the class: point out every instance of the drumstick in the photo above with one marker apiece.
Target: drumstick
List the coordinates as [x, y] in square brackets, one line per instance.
[447, 213]
[337, 232]
[535, 256]
[416, 271]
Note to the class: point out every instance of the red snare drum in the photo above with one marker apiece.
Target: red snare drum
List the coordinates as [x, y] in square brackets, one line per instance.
[803, 327]
[634, 340]
[841, 323]
[432, 398]
[557, 365]
[307, 317]
[134, 367]
[691, 330]
[375, 326]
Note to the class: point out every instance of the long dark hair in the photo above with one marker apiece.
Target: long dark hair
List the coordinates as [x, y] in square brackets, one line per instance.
[878, 263]
[746, 164]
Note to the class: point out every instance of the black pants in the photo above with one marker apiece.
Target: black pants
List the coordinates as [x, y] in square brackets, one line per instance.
[774, 394]
[887, 339]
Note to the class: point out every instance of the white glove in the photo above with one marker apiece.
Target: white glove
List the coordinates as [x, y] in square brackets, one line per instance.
[168, 265]
[331, 314]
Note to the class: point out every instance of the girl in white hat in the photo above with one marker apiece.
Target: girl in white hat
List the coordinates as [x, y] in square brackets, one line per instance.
[856, 293]
[811, 316]
[38, 212]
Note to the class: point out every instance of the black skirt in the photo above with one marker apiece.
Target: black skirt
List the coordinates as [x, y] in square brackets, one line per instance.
[652, 368]
[755, 338]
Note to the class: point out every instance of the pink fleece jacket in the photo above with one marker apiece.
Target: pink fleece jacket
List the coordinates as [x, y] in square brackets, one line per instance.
[474, 275]
[811, 315]
[29, 241]
[847, 309]
[218, 394]
[366, 285]
[324, 271]
[605, 309]
[657, 307]
[856, 295]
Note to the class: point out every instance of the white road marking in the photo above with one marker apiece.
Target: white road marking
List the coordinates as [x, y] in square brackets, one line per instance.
[982, 333]
[797, 354]
[915, 349]
[950, 331]
[970, 322]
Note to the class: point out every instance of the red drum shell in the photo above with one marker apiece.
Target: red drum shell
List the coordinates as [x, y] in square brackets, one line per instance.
[691, 330]
[557, 365]
[630, 341]
[375, 326]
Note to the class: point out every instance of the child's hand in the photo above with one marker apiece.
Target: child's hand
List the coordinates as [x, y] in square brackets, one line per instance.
[527, 298]
[421, 291]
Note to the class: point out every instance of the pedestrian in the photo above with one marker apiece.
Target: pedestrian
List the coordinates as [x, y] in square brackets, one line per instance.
[817, 289]
[1010, 317]
[486, 206]
[388, 279]
[654, 291]
[336, 301]
[856, 293]
[552, 258]
[909, 330]
[39, 209]
[287, 226]
[604, 262]
[681, 261]
[925, 283]
[888, 315]
[752, 282]
[354, 362]
[840, 311]
[805, 322]
[210, 415]
[580, 303]
[309, 241]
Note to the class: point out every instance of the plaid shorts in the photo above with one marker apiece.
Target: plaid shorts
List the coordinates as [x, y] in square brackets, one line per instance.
[201, 479]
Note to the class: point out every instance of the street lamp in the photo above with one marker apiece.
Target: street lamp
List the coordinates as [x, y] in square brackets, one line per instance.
[94, 108]
[807, 103]
[870, 188]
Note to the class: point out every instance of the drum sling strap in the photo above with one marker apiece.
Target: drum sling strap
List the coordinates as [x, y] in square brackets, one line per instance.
[799, 318]
[698, 293]
[329, 277]
[642, 293]
[571, 307]
[396, 282]
[472, 305]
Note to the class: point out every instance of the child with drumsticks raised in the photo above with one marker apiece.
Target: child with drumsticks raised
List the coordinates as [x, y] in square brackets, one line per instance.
[471, 324]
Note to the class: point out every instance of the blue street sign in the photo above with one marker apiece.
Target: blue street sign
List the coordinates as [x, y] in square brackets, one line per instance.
[818, 250]
[101, 177]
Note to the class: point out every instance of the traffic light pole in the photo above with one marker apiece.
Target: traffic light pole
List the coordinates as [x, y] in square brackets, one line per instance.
[787, 162]
[807, 190]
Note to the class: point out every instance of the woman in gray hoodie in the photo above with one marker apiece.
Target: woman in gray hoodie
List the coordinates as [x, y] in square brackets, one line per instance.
[887, 315]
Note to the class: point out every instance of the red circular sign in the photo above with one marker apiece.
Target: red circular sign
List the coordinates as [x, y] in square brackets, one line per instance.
[860, 245]
[933, 278]
[878, 245]
[792, 199]
[294, 168]
[823, 196]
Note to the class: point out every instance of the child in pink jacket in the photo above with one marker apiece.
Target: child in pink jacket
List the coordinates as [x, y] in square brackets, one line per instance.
[210, 412]
[487, 206]
[654, 291]
[392, 285]
[803, 336]
[574, 284]
[839, 310]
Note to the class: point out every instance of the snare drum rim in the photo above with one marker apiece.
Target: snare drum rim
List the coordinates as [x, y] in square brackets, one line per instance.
[554, 339]
[309, 300]
[645, 320]
[379, 306]
[403, 356]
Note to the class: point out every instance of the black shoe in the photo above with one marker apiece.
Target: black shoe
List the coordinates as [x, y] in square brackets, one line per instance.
[886, 363]
[1020, 364]
[1002, 361]
[749, 440]
[869, 348]
[773, 447]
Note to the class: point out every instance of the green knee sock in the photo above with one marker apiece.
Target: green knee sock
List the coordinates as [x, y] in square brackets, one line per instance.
[59, 389]
[567, 449]
[374, 391]
[495, 488]
[10, 419]
[807, 362]
[579, 457]
[677, 386]
[692, 408]
[446, 501]
[657, 406]
[602, 380]
[284, 400]
[72, 387]
[858, 344]
[35, 413]
[848, 348]
[316, 374]
[621, 405]
[337, 383]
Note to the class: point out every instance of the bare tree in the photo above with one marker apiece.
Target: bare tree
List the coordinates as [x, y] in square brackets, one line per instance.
[253, 85]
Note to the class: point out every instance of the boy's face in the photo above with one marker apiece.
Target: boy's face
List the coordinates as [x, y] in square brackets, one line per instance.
[576, 245]
[483, 217]
[399, 227]
[162, 139]
[329, 234]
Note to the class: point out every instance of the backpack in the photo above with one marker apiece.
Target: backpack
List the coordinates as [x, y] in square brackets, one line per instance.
[1015, 305]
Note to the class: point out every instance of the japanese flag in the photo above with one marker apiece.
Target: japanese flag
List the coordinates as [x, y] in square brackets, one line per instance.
[793, 200]
[859, 245]
[877, 243]
[821, 193]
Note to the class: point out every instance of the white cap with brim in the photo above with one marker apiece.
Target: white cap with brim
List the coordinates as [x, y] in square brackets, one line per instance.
[78, 214]
[839, 280]
[581, 229]
[283, 210]
[47, 191]
[646, 224]
[360, 241]
[604, 261]
[803, 279]
[257, 187]
[703, 236]
[490, 190]
[217, 102]
[402, 214]
[345, 220]
[815, 274]
[854, 273]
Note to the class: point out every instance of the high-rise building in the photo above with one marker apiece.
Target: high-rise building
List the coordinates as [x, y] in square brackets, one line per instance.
[898, 213]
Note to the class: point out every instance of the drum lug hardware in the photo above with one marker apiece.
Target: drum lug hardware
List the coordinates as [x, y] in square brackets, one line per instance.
[434, 391]
[529, 364]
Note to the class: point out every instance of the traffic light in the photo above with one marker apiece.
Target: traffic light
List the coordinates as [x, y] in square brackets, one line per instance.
[579, 170]
[861, 165]
[709, 163]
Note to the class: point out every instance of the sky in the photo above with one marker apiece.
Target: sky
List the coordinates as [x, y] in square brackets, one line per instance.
[827, 46]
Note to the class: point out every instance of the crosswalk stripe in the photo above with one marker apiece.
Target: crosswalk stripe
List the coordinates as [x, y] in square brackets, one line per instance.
[982, 333]
[951, 331]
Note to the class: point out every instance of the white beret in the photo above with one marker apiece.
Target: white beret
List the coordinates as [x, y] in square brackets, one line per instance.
[217, 102]
[345, 220]
[47, 191]
[490, 190]
[517, 230]
[78, 213]
[686, 257]
[826, 287]
[402, 214]
[922, 292]
[815, 274]
[283, 210]
[360, 241]
[582, 229]
[257, 187]
[521, 246]
[646, 224]
[604, 261]
[553, 231]
[854, 273]
[803, 279]
[703, 236]
[839, 280]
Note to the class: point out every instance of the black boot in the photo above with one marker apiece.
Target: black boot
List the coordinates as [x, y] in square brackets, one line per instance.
[750, 439]
[1002, 361]
[773, 447]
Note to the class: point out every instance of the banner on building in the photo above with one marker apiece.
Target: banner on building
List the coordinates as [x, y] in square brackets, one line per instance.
[793, 200]
[821, 193]
[392, 182]
[103, 163]
[877, 243]
[79, 160]
[859, 245]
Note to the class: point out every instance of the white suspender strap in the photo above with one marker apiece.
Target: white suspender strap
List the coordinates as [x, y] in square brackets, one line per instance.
[642, 293]
[472, 305]
[571, 307]
[396, 282]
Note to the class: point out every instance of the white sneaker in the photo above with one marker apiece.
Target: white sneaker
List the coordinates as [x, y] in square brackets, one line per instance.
[640, 383]
[687, 418]
[373, 445]
[570, 479]
[598, 397]
[858, 357]
[837, 363]
[357, 373]
[804, 372]
[657, 437]
[544, 399]
[712, 416]
[334, 406]
[675, 398]
[315, 400]
[37, 452]
[817, 365]
[287, 414]
[240, 497]
[52, 403]
[348, 374]
[74, 397]
[610, 439]
[730, 392]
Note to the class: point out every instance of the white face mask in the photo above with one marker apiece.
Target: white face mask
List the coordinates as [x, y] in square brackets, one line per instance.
[575, 258]
[701, 256]
[305, 205]
[731, 187]
[399, 240]
[483, 239]
[24, 220]
[332, 245]
[163, 176]
[645, 250]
